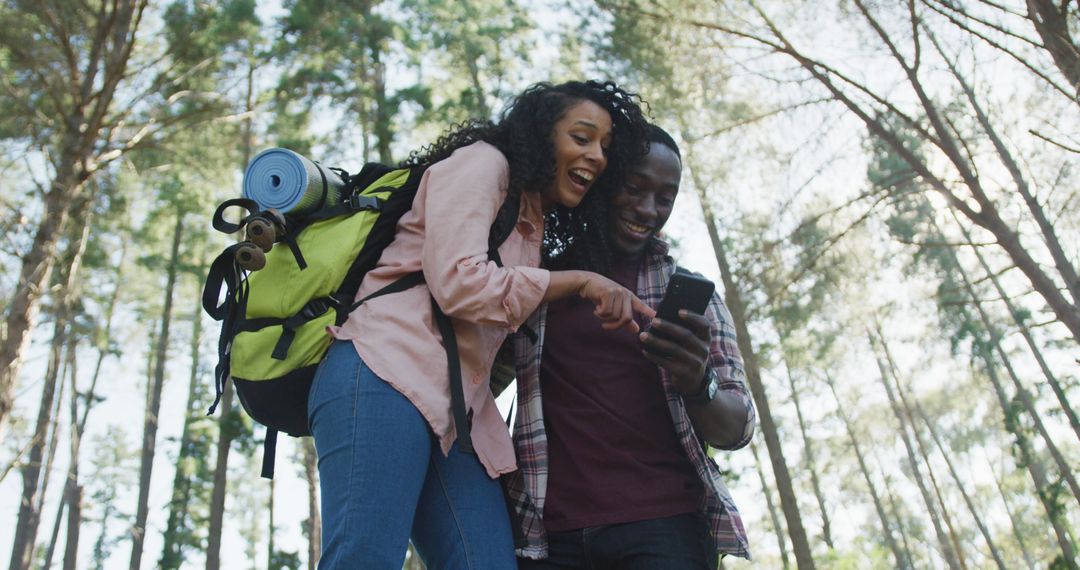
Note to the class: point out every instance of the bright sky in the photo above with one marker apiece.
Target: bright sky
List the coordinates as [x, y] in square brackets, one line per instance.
[121, 414]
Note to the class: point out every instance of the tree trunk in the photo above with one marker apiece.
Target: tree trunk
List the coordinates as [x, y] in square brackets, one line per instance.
[905, 406]
[71, 481]
[47, 471]
[810, 463]
[901, 561]
[36, 270]
[1065, 268]
[270, 527]
[74, 493]
[801, 546]
[987, 215]
[1014, 312]
[72, 489]
[384, 134]
[172, 552]
[771, 505]
[29, 511]
[1052, 25]
[945, 454]
[1013, 520]
[226, 433]
[29, 516]
[94, 87]
[908, 552]
[1035, 467]
[150, 421]
[314, 529]
[1064, 467]
[913, 463]
[54, 536]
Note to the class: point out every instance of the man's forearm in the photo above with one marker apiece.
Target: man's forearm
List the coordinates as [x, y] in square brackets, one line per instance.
[721, 421]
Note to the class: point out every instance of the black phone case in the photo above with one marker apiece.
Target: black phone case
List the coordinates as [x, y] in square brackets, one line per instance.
[685, 291]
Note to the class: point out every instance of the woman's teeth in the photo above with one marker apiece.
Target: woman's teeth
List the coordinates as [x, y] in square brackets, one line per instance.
[636, 228]
[584, 176]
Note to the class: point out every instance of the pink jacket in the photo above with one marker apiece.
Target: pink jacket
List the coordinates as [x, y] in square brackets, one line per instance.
[396, 334]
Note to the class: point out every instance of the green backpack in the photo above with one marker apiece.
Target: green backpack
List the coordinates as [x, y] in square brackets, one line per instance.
[274, 314]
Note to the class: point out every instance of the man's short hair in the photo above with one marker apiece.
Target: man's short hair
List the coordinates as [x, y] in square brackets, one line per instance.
[657, 135]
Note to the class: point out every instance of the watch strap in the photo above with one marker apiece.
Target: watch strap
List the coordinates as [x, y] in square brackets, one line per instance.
[705, 393]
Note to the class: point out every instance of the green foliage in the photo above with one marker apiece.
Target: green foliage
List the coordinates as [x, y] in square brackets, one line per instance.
[340, 51]
[238, 428]
[635, 48]
[193, 484]
[475, 46]
[113, 468]
[386, 76]
[208, 40]
[912, 219]
[282, 560]
[34, 100]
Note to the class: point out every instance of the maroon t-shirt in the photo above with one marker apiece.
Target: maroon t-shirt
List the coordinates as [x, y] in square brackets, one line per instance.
[614, 456]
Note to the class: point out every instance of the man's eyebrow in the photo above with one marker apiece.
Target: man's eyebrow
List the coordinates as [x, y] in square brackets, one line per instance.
[645, 176]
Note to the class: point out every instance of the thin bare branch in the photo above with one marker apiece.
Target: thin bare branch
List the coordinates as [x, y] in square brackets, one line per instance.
[938, 6]
[1030, 67]
[1054, 142]
[1001, 7]
[759, 117]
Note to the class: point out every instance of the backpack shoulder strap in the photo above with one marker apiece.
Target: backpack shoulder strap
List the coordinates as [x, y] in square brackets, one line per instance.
[381, 234]
[505, 220]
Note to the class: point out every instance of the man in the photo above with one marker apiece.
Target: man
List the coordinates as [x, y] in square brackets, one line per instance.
[613, 471]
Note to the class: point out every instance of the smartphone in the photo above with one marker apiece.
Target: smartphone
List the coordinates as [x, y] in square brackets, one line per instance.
[685, 291]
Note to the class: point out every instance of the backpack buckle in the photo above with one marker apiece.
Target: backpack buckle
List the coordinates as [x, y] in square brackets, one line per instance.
[314, 308]
[358, 202]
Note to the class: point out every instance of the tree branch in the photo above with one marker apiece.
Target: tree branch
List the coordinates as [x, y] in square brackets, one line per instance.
[1054, 142]
[1038, 73]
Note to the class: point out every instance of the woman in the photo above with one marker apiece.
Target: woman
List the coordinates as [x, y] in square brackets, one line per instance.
[380, 403]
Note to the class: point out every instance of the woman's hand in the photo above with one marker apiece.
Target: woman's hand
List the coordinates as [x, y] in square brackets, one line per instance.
[615, 304]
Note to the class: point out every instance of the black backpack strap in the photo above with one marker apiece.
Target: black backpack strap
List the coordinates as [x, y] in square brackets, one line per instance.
[407, 282]
[311, 310]
[354, 184]
[354, 203]
[510, 414]
[269, 453]
[457, 388]
[505, 221]
[380, 236]
[224, 273]
[226, 227]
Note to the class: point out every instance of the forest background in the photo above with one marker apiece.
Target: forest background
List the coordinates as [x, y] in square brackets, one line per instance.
[886, 191]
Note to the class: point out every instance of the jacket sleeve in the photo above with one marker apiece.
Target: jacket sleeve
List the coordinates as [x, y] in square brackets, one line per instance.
[463, 195]
[726, 364]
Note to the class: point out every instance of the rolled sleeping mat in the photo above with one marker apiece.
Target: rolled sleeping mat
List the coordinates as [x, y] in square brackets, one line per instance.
[282, 179]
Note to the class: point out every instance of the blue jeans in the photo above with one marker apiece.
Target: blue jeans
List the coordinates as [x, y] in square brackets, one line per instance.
[384, 479]
[681, 542]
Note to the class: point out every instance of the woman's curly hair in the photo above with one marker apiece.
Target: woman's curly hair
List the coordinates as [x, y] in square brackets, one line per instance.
[523, 134]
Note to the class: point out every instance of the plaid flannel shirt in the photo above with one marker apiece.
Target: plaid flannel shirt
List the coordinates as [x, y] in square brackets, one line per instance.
[527, 487]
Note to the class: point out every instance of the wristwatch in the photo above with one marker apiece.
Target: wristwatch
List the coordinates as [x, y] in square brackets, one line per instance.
[705, 394]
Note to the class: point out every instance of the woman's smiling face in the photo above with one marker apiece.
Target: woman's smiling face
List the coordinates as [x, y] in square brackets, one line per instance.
[581, 138]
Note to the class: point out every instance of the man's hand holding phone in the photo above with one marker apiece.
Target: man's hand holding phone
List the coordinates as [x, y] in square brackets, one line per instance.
[678, 338]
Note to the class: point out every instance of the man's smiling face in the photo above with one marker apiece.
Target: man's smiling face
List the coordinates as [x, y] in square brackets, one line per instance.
[642, 206]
